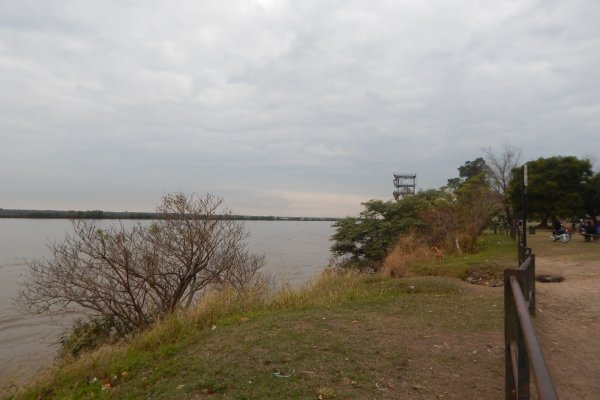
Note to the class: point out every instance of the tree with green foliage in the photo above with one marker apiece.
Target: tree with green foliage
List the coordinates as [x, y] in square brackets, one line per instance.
[473, 168]
[592, 196]
[468, 170]
[556, 185]
[366, 239]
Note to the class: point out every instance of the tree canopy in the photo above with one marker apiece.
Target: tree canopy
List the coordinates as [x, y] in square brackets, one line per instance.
[592, 196]
[556, 185]
[366, 239]
[438, 217]
[468, 170]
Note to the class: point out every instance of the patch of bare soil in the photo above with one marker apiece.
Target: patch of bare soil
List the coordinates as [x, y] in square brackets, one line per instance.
[484, 279]
[487, 274]
[568, 323]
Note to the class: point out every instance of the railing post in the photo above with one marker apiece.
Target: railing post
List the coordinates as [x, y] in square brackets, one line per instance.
[517, 374]
[531, 285]
[528, 281]
[510, 332]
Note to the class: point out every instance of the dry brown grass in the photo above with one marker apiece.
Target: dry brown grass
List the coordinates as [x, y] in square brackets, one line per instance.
[408, 250]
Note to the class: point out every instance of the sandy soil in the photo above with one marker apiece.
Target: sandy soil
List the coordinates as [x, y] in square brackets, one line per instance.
[568, 322]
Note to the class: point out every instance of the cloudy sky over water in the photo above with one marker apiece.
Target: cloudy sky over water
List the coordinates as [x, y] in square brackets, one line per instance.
[283, 107]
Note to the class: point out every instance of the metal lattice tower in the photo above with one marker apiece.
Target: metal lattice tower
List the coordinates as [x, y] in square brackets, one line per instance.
[405, 185]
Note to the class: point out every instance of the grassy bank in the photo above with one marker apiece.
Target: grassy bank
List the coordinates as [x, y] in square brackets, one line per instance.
[342, 336]
[495, 253]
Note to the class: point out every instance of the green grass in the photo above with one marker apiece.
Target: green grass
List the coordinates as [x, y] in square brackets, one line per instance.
[495, 253]
[388, 334]
[345, 336]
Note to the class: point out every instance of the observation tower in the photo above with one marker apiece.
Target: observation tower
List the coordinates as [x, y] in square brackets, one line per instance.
[405, 185]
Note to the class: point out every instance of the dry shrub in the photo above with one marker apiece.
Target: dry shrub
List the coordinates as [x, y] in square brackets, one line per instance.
[407, 250]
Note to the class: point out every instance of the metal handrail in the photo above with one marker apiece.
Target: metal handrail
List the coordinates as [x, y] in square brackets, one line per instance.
[522, 347]
[543, 381]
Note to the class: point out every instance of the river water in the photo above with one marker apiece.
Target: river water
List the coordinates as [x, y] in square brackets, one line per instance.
[295, 251]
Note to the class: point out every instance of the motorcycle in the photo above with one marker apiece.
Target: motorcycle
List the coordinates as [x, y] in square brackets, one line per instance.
[562, 236]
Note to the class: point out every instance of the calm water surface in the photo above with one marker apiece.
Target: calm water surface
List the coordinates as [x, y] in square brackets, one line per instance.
[295, 251]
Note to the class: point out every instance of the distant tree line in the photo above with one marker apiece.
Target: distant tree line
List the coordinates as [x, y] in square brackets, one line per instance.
[98, 214]
[89, 214]
[557, 185]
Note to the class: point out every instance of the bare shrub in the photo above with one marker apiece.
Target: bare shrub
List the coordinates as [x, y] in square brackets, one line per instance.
[501, 166]
[409, 249]
[463, 220]
[136, 275]
[475, 207]
[442, 223]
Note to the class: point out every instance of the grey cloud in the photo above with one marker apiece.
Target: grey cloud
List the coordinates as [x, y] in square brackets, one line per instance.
[131, 100]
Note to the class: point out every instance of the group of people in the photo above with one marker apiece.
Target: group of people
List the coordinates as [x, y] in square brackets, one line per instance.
[588, 226]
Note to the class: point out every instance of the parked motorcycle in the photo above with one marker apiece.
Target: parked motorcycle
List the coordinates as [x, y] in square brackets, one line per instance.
[560, 236]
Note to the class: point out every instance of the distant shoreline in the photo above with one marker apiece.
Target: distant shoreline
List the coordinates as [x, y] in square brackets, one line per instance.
[97, 214]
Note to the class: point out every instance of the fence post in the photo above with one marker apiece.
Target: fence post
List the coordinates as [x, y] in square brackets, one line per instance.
[517, 374]
[531, 285]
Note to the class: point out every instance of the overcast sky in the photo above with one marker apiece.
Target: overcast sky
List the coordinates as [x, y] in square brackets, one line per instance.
[283, 107]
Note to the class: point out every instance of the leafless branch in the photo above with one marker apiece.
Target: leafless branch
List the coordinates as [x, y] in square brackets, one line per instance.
[138, 274]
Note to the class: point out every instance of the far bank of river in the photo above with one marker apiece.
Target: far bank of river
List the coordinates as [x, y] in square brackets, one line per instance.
[295, 251]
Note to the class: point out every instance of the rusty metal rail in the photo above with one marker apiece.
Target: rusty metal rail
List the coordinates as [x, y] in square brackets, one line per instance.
[521, 346]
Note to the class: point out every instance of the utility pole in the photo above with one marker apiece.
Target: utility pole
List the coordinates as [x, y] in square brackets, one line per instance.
[523, 241]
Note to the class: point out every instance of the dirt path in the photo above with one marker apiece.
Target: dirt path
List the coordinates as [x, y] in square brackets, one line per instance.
[568, 320]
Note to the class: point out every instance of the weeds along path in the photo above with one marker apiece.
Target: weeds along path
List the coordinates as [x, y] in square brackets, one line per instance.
[568, 318]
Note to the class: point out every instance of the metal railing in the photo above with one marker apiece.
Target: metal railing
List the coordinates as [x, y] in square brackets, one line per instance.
[521, 346]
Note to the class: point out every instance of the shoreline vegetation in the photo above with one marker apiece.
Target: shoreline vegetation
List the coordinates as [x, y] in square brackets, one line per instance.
[98, 214]
[343, 335]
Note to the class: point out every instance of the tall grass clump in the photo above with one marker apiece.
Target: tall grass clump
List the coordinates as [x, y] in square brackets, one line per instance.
[409, 249]
[213, 306]
[328, 288]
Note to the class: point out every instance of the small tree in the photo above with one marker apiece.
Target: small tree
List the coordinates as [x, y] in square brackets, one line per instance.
[464, 217]
[476, 204]
[500, 171]
[365, 240]
[467, 171]
[138, 274]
